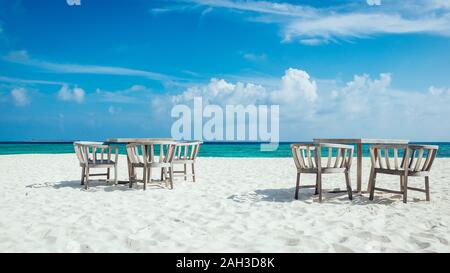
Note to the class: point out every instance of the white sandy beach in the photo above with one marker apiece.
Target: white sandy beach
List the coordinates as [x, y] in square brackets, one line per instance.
[237, 204]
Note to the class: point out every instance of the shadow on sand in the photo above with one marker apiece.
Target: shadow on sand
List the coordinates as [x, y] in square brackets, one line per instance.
[284, 195]
[94, 185]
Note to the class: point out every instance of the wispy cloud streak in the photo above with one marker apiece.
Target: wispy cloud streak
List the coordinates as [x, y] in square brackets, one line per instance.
[317, 25]
[21, 57]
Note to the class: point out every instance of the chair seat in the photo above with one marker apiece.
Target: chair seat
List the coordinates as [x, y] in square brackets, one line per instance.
[101, 163]
[182, 161]
[401, 172]
[151, 165]
[137, 165]
[323, 170]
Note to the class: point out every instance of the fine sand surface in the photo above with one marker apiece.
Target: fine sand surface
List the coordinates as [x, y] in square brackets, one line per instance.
[237, 204]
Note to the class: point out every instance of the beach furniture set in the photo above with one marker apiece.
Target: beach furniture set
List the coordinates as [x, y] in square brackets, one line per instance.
[391, 157]
[142, 154]
[321, 157]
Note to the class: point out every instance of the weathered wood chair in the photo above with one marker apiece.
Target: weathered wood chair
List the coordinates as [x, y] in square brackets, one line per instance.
[416, 161]
[95, 155]
[186, 153]
[147, 160]
[308, 159]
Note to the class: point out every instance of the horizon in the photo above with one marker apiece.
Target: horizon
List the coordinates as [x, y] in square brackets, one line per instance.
[204, 142]
[103, 69]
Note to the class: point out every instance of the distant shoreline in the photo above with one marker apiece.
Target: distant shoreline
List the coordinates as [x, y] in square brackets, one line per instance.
[205, 142]
[208, 149]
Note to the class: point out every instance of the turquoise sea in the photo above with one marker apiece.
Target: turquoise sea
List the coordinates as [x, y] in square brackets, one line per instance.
[207, 149]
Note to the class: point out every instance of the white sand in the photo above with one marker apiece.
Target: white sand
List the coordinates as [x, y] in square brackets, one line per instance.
[237, 204]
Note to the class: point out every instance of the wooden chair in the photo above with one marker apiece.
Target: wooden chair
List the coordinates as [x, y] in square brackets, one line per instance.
[416, 161]
[308, 159]
[186, 153]
[95, 155]
[147, 160]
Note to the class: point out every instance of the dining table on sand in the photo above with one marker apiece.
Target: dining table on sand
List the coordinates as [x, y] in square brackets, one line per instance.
[359, 142]
[143, 141]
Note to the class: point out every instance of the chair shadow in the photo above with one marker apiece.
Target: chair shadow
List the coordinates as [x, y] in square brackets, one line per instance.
[94, 185]
[281, 195]
[284, 195]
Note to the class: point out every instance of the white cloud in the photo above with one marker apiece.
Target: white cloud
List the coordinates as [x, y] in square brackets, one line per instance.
[22, 57]
[296, 86]
[363, 106]
[329, 28]
[373, 2]
[254, 57]
[221, 92]
[67, 94]
[136, 94]
[438, 4]
[26, 81]
[112, 110]
[438, 91]
[284, 9]
[312, 41]
[295, 92]
[314, 26]
[158, 10]
[20, 97]
[362, 93]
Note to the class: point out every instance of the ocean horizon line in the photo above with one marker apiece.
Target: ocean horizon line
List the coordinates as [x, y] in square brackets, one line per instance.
[205, 142]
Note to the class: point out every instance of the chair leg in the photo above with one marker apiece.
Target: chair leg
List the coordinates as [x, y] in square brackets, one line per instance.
[108, 173]
[149, 175]
[349, 185]
[166, 176]
[319, 178]
[162, 174]
[427, 187]
[405, 189]
[83, 171]
[297, 187]
[372, 184]
[115, 175]
[86, 182]
[401, 183]
[131, 176]
[171, 177]
[369, 185]
[193, 173]
[185, 172]
[130, 172]
[144, 177]
[317, 185]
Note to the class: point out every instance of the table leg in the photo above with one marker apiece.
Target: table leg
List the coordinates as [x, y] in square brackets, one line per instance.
[358, 167]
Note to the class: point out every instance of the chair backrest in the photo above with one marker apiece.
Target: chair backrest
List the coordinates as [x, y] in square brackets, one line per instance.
[88, 151]
[187, 150]
[422, 157]
[304, 155]
[418, 158]
[145, 152]
[309, 156]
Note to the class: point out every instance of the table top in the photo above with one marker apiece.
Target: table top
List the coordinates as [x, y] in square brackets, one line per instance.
[138, 140]
[91, 143]
[362, 140]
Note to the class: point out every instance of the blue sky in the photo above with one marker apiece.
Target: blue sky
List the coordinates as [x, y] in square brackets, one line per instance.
[114, 68]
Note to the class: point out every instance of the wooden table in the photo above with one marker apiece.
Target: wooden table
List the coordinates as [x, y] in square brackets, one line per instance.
[359, 142]
[135, 140]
